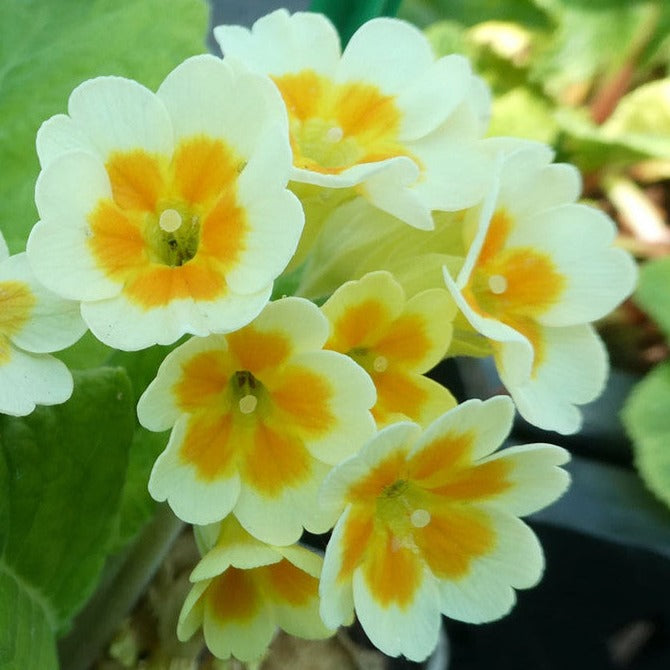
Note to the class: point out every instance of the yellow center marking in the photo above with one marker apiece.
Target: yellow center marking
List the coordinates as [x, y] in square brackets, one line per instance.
[420, 518]
[497, 284]
[170, 220]
[248, 403]
[380, 364]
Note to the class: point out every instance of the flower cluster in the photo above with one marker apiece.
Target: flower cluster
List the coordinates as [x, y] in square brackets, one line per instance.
[363, 178]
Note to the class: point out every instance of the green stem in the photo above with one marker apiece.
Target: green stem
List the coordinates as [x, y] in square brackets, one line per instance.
[125, 579]
[349, 15]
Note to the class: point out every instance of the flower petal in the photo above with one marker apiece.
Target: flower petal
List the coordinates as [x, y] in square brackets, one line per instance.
[470, 431]
[237, 621]
[280, 42]
[294, 507]
[118, 114]
[390, 69]
[534, 478]
[399, 615]
[444, 84]
[27, 380]
[53, 323]
[485, 592]
[175, 479]
[572, 372]
[60, 135]
[120, 323]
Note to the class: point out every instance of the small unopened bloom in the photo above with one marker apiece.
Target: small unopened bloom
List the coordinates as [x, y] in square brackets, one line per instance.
[430, 526]
[396, 340]
[245, 590]
[384, 116]
[539, 269]
[33, 322]
[258, 418]
[159, 211]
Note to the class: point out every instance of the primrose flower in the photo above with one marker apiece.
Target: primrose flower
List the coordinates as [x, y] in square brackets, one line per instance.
[384, 117]
[259, 416]
[539, 268]
[245, 589]
[396, 341]
[33, 322]
[159, 212]
[430, 526]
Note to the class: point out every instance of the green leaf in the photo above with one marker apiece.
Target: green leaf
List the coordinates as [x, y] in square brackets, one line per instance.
[610, 502]
[137, 506]
[26, 637]
[647, 420]
[65, 467]
[47, 48]
[349, 15]
[588, 146]
[592, 37]
[641, 120]
[652, 292]
[88, 352]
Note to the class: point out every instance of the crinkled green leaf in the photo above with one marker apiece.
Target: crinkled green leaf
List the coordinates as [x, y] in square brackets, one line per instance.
[652, 291]
[349, 15]
[647, 420]
[589, 146]
[592, 37]
[47, 48]
[65, 467]
[641, 120]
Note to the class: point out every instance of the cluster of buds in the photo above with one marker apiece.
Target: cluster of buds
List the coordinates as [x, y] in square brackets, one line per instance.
[363, 178]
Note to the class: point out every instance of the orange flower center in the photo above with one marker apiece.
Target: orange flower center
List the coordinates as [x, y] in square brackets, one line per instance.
[172, 227]
[334, 126]
[513, 285]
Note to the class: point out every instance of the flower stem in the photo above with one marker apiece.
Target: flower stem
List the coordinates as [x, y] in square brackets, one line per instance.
[124, 580]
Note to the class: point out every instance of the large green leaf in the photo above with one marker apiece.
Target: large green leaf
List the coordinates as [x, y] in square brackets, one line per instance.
[349, 15]
[647, 420]
[61, 470]
[47, 48]
[26, 636]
